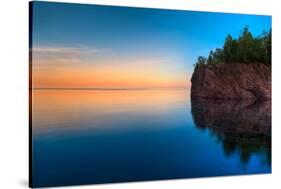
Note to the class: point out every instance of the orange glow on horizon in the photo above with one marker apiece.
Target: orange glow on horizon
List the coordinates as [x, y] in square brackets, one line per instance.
[108, 76]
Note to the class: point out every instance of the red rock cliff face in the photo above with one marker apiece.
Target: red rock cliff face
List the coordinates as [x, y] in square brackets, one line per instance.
[232, 81]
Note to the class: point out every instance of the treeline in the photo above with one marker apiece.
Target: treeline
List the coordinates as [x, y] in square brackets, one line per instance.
[245, 49]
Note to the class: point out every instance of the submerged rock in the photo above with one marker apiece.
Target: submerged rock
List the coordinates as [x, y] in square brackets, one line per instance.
[232, 81]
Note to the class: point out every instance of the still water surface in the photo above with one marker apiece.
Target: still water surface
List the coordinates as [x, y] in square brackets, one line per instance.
[101, 136]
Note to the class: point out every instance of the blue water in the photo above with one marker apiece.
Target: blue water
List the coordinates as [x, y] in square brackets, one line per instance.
[87, 137]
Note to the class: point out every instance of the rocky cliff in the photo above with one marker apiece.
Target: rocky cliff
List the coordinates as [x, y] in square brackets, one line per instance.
[232, 81]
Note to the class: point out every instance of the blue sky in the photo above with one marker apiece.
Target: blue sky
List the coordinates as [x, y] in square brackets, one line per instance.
[130, 33]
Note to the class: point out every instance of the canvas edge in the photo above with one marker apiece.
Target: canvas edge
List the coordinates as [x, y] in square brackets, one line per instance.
[30, 151]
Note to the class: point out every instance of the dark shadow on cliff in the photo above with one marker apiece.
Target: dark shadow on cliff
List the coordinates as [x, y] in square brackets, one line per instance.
[241, 126]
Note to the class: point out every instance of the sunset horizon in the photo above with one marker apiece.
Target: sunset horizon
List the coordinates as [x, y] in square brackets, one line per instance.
[71, 48]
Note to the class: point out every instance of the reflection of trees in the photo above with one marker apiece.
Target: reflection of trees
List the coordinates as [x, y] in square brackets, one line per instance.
[241, 126]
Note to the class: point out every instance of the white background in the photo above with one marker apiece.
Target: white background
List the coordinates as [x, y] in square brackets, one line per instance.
[14, 93]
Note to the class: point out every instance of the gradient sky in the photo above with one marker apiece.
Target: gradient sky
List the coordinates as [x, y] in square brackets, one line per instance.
[76, 45]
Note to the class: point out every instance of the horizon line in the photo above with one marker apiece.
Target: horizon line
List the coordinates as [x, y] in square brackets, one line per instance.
[98, 88]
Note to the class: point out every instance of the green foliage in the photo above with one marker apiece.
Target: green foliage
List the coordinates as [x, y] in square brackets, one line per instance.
[201, 61]
[246, 49]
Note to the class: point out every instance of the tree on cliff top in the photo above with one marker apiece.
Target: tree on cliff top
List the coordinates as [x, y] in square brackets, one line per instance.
[246, 49]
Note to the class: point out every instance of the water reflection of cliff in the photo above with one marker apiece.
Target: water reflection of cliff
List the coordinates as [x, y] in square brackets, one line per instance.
[241, 126]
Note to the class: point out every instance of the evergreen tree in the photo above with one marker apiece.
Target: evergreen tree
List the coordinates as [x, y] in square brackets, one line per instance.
[228, 49]
[210, 58]
[245, 49]
[201, 61]
[245, 46]
[268, 48]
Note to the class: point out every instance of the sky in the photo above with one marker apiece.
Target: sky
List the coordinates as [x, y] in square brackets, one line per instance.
[92, 46]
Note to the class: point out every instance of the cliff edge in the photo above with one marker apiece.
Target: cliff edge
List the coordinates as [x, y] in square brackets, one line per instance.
[232, 81]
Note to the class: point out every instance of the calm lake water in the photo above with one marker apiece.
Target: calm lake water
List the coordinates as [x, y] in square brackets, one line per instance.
[92, 136]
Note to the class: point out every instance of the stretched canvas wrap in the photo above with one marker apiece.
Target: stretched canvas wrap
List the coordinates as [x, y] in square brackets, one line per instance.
[121, 94]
